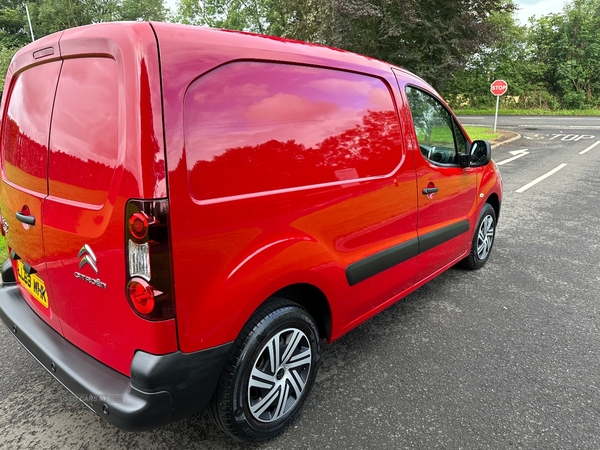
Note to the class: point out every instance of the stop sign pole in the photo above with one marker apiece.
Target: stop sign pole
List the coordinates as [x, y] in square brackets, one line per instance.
[498, 88]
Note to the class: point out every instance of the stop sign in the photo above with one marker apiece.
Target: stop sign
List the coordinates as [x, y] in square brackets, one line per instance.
[499, 87]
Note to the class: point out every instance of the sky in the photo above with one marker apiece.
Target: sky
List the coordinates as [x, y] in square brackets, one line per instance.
[537, 8]
[528, 8]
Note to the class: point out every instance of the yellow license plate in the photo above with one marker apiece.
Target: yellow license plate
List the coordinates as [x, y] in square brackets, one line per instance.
[34, 284]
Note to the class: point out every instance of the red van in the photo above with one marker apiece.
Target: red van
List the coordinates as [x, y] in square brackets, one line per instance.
[191, 212]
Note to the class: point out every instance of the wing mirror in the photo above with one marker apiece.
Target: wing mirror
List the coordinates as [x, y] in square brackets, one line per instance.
[479, 155]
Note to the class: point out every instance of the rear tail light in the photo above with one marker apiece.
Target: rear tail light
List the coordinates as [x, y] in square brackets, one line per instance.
[141, 296]
[148, 288]
[4, 227]
[138, 225]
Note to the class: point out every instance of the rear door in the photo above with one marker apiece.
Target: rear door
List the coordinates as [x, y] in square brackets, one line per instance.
[24, 142]
[81, 166]
[103, 131]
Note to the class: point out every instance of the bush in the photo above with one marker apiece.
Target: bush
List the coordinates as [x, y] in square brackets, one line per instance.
[573, 100]
[538, 99]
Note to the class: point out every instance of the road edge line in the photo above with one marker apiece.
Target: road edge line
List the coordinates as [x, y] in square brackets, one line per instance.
[543, 177]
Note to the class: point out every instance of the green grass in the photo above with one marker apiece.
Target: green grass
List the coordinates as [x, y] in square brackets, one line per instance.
[3, 251]
[477, 133]
[527, 112]
[441, 136]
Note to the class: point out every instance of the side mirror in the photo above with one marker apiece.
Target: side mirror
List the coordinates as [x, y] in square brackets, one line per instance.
[464, 160]
[480, 153]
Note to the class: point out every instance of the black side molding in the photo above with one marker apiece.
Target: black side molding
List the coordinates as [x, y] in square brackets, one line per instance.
[437, 237]
[374, 264]
[390, 257]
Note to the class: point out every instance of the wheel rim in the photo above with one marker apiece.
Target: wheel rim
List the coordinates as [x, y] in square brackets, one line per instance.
[485, 237]
[279, 375]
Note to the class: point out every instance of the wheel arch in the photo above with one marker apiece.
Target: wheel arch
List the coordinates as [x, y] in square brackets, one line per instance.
[310, 298]
[494, 201]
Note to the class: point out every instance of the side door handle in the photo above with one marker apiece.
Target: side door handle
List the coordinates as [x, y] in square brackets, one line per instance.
[427, 191]
[29, 220]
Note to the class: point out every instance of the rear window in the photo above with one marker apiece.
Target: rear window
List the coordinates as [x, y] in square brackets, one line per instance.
[84, 135]
[26, 125]
[255, 127]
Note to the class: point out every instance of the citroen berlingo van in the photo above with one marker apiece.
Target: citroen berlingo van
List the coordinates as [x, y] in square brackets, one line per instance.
[190, 213]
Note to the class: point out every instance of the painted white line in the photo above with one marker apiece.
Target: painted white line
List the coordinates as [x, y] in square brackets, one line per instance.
[537, 180]
[550, 118]
[518, 154]
[589, 148]
[565, 127]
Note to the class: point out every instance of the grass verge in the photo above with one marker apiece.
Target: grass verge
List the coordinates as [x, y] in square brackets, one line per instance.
[527, 112]
[476, 133]
[3, 251]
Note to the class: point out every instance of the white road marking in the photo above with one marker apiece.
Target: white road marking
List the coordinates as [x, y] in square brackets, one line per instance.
[550, 118]
[589, 148]
[517, 154]
[537, 180]
[575, 127]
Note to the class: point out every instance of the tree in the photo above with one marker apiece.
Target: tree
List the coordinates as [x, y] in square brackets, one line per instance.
[14, 30]
[6, 55]
[433, 39]
[50, 16]
[142, 10]
[14, 33]
[511, 58]
[568, 46]
[256, 16]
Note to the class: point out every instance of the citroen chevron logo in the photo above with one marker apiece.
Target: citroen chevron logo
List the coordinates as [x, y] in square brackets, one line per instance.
[87, 256]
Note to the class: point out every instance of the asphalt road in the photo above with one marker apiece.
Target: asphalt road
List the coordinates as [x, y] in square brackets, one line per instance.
[505, 357]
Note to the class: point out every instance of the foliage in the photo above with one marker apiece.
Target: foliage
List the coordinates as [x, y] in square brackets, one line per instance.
[527, 112]
[458, 46]
[568, 45]
[14, 30]
[142, 10]
[554, 63]
[433, 39]
[3, 250]
[512, 59]
[49, 16]
[6, 55]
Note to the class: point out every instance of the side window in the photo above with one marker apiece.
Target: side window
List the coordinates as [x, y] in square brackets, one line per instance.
[440, 138]
[253, 127]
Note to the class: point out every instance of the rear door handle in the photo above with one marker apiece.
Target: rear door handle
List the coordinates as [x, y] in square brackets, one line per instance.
[427, 191]
[29, 220]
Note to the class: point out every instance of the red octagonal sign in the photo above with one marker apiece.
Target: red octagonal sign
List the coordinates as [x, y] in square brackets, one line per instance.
[499, 87]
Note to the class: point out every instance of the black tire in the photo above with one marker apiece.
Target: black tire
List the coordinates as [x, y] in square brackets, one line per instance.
[483, 239]
[256, 408]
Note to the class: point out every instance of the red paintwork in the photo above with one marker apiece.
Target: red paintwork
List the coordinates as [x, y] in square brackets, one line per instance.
[243, 249]
[298, 212]
[27, 122]
[92, 173]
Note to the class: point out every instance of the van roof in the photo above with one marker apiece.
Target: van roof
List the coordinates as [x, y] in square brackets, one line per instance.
[188, 38]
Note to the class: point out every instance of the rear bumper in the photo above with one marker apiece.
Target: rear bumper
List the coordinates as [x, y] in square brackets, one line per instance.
[161, 388]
